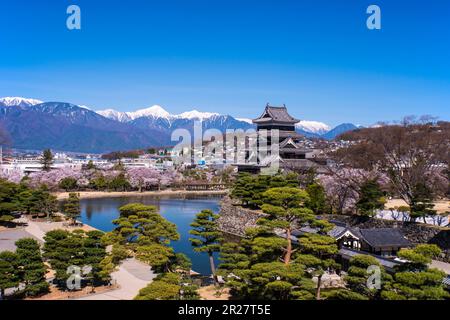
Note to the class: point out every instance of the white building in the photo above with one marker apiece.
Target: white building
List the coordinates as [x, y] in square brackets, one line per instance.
[30, 165]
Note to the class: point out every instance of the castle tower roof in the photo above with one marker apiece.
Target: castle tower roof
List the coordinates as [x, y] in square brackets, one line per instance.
[273, 114]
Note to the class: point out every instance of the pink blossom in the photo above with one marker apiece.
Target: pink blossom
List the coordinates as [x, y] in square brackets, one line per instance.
[12, 176]
[342, 186]
[53, 177]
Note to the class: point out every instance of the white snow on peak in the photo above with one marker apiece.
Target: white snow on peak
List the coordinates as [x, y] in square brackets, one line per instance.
[313, 126]
[114, 115]
[245, 120]
[194, 114]
[154, 111]
[159, 112]
[19, 101]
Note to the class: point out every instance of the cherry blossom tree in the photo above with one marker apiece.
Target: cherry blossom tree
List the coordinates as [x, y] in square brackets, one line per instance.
[142, 178]
[342, 187]
[12, 176]
[52, 178]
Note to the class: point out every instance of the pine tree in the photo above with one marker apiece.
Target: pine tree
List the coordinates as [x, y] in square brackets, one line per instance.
[371, 198]
[249, 189]
[47, 160]
[10, 200]
[357, 276]
[9, 275]
[317, 198]
[414, 280]
[285, 209]
[94, 253]
[143, 225]
[68, 184]
[141, 229]
[422, 202]
[32, 268]
[72, 207]
[253, 270]
[207, 235]
[63, 249]
[252, 267]
[317, 255]
[91, 165]
[41, 202]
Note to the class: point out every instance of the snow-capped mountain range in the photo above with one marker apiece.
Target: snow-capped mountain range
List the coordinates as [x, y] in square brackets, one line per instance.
[18, 101]
[154, 112]
[33, 124]
[159, 112]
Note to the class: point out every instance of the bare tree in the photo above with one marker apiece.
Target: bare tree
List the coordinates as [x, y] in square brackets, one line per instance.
[410, 155]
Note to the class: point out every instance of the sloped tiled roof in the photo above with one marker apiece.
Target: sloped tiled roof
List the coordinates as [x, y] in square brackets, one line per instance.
[387, 263]
[287, 141]
[384, 237]
[277, 114]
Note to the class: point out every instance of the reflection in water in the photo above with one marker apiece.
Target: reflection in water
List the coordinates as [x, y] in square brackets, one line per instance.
[89, 211]
[99, 213]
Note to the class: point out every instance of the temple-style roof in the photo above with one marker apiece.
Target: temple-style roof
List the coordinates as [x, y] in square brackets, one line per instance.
[289, 142]
[384, 237]
[275, 115]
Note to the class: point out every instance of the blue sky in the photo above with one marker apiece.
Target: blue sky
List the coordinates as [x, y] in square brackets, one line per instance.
[232, 56]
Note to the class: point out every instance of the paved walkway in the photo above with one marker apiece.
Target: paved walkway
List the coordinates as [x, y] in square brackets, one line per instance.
[9, 237]
[132, 276]
[33, 229]
[443, 266]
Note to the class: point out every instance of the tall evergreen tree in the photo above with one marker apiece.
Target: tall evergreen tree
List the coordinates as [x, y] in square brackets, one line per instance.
[415, 280]
[422, 202]
[317, 255]
[42, 202]
[249, 189]
[143, 230]
[207, 235]
[94, 254]
[91, 165]
[9, 275]
[358, 276]
[32, 268]
[9, 200]
[285, 209]
[142, 224]
[253, 270]
[63, 249]
[317, 198]
[47, 160]
[72, 207]
[370, 198]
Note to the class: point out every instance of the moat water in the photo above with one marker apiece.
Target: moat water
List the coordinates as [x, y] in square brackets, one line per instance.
[99, 213]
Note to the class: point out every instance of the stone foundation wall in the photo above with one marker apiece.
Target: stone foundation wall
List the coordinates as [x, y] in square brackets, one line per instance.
[235, 219]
